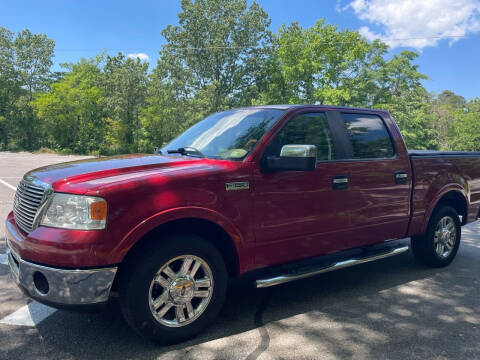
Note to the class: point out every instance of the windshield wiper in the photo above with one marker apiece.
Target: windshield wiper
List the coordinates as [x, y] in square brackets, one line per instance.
[189, 151]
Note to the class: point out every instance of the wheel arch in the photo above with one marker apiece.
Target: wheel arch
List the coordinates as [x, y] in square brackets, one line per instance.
[208, 230]
[454, 197]
[205, 223]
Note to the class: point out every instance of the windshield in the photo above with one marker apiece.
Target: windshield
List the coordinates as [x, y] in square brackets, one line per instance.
[228, 134]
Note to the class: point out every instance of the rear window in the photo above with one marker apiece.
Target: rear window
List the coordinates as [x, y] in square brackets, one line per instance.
[369, 136]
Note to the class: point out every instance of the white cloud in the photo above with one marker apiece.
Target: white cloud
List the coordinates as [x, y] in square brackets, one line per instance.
[417, 23]
[141, 56]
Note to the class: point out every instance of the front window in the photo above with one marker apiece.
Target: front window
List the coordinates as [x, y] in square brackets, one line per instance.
[230, 135]
[306, 129]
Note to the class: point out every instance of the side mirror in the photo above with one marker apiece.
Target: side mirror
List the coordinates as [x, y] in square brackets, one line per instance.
[305, 151]
[292, 158]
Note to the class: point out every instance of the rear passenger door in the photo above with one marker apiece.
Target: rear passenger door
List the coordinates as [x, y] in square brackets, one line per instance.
[378, 198]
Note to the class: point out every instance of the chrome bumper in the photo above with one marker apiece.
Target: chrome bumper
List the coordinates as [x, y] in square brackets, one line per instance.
[60, 286]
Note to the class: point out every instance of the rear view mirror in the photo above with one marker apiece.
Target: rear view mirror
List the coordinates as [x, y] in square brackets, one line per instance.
[292, 158]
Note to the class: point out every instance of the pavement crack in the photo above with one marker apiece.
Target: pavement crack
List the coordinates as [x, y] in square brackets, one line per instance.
[258, 319]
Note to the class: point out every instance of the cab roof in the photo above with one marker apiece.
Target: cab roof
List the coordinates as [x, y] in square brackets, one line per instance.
[325, 107]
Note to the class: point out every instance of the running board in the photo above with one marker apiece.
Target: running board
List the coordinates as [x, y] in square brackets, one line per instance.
[262, 283]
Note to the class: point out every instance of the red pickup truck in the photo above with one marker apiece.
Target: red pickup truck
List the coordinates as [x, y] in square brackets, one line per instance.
[282, 192]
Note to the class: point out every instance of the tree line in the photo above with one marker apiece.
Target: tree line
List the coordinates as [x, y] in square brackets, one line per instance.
[221, 54]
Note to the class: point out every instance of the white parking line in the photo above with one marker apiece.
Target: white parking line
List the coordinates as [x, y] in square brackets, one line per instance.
[8, 185]
[29, 315]
[3, 259]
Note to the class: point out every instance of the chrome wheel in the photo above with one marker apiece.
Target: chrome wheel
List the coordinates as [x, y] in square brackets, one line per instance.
[445, 237]
[181, 290]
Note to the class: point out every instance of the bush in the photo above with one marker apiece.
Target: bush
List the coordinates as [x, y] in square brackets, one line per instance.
[45, 150]
[66, 151]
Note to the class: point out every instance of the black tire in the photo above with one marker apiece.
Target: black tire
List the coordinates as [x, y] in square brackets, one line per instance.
[137, 277]
[424, 247]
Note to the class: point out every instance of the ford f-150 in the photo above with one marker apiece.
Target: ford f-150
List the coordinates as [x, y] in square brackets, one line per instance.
[281, 192]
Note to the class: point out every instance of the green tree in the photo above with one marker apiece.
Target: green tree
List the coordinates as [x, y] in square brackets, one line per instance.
[164, 115]
[322, 64]
[33, 59]
[25, 61]
[465, 130]
[449, 98]
[399, 90]
[33, 53]
[125, 83]
[72, 111]
[9, 86]
[219, 48]
[447, 107]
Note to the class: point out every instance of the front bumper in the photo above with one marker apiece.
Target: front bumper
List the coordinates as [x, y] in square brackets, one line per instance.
[61, 287]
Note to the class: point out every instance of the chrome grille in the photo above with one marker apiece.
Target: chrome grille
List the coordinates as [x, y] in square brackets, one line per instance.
[28, 199]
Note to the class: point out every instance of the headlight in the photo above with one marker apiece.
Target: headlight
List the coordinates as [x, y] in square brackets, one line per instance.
[76, 212]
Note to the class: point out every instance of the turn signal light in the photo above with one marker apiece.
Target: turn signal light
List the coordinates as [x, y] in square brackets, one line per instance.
[98, 210]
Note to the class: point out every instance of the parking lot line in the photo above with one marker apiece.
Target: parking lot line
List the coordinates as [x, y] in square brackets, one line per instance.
[3, 259]
[31, 314]
[8, 185]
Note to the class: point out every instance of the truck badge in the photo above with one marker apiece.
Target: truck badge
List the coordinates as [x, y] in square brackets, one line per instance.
[237, 186]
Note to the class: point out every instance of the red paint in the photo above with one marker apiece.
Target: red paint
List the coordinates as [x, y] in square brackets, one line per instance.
[434, 177]
[282, 217]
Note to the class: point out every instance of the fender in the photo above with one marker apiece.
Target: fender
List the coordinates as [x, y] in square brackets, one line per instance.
[446, 189]
[163, 217]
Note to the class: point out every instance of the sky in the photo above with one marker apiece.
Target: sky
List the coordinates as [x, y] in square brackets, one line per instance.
[446, 33]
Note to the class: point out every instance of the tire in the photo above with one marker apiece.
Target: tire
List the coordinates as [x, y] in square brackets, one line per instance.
[144, 302]
[443, 232]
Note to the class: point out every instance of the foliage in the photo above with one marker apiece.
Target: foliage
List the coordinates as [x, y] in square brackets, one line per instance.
[218, 48]
[464, 131]
[323, 65]
[25, 62]
[125, 84]
[33, 54]
[72, 111]
[220, 55]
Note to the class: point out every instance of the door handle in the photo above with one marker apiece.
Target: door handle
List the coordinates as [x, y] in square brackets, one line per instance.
[401, 177]
[340, 182]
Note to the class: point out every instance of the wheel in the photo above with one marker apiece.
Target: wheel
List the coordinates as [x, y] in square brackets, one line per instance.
[439, 245]
[173, 289]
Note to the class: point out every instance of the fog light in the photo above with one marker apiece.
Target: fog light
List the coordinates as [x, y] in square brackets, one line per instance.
[41, 283]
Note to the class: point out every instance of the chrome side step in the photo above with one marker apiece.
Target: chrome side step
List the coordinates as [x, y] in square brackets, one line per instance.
[262, 283]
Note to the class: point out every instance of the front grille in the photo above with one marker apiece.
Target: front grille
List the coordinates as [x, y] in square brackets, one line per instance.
[28, 199]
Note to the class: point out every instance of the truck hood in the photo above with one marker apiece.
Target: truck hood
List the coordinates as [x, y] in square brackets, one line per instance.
[80, 176]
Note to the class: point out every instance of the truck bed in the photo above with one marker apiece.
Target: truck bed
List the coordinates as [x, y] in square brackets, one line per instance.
[433, 173]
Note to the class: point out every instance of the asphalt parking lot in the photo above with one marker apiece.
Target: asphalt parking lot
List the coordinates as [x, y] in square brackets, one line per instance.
[389, 309]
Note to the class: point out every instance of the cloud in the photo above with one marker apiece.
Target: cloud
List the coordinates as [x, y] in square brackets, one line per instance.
[416, 23]
[141, 56]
